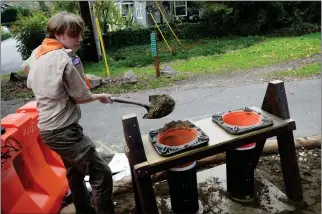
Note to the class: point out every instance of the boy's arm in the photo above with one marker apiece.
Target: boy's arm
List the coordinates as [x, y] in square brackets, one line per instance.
[26, 64]
[76, 87]
[103, 98]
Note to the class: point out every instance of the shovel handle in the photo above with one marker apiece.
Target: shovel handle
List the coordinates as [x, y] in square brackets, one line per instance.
[120, 100]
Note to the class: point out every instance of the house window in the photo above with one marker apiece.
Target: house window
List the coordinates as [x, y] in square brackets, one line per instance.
[125, 8]
[180, 8]
[139, 10]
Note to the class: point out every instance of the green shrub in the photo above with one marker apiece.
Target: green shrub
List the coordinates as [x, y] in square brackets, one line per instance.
[298, 29]
[29, 32]
[11, 13]
[126, 37]
[194, 30]
[5, 36]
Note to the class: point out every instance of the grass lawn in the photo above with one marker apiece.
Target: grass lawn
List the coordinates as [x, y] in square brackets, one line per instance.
[305, 71]
[194, 58]
[212, 56]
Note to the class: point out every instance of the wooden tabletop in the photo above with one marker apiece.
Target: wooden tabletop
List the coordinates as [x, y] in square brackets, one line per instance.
[217, 135]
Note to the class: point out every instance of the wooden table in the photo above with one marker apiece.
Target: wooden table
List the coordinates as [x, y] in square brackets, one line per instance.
[145, 161]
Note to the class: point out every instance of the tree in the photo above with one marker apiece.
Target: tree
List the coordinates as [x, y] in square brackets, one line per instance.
[108, 14]
[43, 7]
[69, 6]
[10, 14]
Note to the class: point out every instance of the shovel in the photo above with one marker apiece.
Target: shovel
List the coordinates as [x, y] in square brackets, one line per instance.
[160, 106]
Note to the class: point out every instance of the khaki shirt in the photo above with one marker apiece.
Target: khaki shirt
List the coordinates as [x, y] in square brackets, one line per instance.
[57, 80]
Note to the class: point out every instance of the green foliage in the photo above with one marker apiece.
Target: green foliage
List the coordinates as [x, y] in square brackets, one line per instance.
[43, 7]
[29, 31]
[221, 19]
[140, 55]
[298, 29]
[5, 36]
[10, 14]
[69, 6]
[126, 37]
[250, 18]
[108, 15]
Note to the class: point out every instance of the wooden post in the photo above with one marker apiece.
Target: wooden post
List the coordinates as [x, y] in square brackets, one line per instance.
[134, 186]
[157, 66]
[275, 102]
[258, 151]
[155, 54]
[143, 184]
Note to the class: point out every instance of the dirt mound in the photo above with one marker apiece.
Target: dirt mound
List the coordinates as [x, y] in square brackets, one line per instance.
[160, 106]
[176, 124]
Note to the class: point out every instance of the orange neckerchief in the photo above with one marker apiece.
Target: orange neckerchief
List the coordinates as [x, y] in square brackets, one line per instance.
[52, 44]
[48, 45]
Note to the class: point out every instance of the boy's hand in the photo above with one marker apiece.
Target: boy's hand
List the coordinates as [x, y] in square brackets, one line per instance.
[105, 98]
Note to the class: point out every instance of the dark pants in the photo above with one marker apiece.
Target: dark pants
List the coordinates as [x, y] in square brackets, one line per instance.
[81, 158]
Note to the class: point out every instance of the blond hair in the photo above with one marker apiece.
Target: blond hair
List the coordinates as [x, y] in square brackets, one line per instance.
[65, 22]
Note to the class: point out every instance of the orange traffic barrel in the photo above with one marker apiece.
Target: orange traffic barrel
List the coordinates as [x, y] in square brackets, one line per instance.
[27, 179]
[51, 157]
[29, 107]
[13, 143]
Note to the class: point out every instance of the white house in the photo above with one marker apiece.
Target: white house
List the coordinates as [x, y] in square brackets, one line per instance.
[141, 14]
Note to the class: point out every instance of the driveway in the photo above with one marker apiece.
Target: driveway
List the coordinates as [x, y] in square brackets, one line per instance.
[10, 58]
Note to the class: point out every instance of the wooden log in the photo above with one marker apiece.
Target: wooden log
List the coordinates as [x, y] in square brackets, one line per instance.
[270, 147]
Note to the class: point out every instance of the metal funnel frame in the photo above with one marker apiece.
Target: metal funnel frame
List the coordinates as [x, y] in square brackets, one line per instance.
[201, 139]
[263, 122]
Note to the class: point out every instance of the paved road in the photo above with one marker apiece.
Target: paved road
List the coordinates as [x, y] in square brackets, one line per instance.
[10, 58]
[103, 122]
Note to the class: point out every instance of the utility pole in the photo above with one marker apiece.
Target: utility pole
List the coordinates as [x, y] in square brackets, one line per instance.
[89, 44]
[97, 41]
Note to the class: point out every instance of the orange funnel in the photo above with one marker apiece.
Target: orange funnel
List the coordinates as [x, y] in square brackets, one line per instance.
[177, 137]
[241, 118]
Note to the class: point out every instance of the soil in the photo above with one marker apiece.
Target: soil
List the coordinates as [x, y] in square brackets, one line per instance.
[176, 124]
[269, 167]
[9, 87]
[160, 106]
[310, 170]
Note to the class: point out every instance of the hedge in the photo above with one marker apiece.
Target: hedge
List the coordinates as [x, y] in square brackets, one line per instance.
[129, 37]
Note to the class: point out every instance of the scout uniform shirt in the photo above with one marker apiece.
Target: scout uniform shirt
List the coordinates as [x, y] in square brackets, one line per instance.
[57, 79]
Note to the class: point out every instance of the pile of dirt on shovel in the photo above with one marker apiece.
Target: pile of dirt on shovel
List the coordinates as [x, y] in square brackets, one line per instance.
[160, 106]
